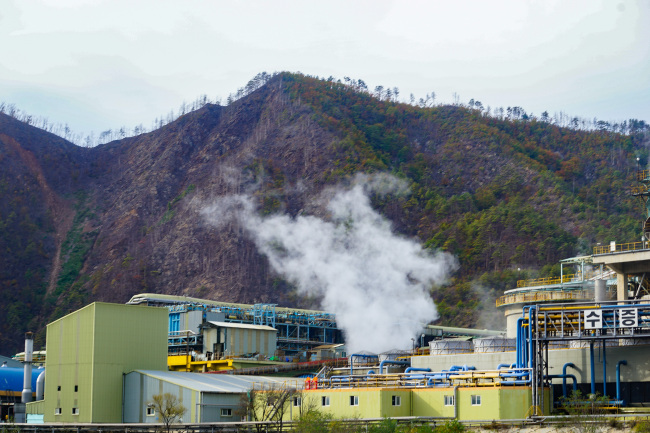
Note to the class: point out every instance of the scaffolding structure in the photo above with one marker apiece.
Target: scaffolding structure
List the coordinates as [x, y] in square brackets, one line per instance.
[584, 323]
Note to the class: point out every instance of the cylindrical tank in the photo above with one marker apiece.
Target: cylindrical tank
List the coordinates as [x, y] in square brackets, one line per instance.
[12, 379]
[494, 345]
[600, 292]
[581, 344]
[450, 346]
[632, 342]
[392, 355]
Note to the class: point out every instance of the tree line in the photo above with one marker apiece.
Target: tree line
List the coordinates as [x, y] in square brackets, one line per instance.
[383, 93]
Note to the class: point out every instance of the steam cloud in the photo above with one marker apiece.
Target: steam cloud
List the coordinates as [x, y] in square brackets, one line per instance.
[373, 280]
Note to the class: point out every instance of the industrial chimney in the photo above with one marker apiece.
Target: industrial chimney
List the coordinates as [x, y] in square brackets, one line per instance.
[27, 379]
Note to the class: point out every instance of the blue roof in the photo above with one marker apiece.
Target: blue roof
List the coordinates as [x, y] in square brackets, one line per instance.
[11, 379]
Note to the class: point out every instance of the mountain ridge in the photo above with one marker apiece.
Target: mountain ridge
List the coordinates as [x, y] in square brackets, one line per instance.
[123, 217]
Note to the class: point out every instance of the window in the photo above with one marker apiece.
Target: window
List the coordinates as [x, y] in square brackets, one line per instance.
[151, 411]
[75, 411]
[297, 401]
[226, 411]
[396, 401]
[325, 400]
[449, 400]
[476, 400]
[174, 322]
[354, 400]
[57, 411]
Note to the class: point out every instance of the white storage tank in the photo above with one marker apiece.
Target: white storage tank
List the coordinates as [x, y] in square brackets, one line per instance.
[494, 345]
[450, 346]
[393, 355]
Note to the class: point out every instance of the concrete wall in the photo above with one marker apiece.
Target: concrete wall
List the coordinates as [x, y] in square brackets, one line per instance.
[637, 357]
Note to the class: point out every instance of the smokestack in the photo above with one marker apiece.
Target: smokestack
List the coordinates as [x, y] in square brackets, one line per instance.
[27, 379]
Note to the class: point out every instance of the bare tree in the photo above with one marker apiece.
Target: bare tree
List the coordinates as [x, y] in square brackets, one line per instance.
[168, 407]
[268, 403]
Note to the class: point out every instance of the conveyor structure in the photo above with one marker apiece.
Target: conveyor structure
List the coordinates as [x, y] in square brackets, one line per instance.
[298, 330]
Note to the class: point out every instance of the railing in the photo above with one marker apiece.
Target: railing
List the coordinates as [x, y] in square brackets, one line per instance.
[568, 278]
[620, 248]
[642, 175]
[638, 190]
[534, 297]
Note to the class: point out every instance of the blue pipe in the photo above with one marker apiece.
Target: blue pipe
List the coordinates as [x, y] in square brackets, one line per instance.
[564, 373]
[593, 373]
[386, 361]
[618, 380]
[461, 368]
[371, 372]
[500, 366]
[531, 350]
[410, 369]
[359, 355]
[522, 374]
[515, 382]
[604, 368]
[564, 378]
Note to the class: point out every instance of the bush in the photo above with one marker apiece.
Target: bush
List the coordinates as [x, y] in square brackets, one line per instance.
[453, 426]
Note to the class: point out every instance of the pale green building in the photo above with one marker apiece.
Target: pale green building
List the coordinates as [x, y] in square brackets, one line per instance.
[463, 403]
[90, 350]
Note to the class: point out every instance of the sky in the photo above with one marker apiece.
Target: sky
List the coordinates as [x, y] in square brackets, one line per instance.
[97, 64]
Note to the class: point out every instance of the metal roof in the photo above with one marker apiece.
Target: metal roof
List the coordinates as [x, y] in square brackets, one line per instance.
[243, 325]
[220, 383]
[143, 298]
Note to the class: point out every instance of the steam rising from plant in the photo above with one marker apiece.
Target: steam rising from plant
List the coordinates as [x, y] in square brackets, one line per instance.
[376, 282]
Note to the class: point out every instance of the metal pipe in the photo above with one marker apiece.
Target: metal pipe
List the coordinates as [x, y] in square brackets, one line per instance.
[410, 369]
[27, 377]
[564, 373]
[604, 368]
[593, 373]
[359, 355]
[386, 361]
[618, 379]
[530, 336]
[564, 378]
[40, 386]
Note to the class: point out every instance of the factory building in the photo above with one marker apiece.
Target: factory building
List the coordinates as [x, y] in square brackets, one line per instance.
[298, 330]
[88, 352]
[206, 397]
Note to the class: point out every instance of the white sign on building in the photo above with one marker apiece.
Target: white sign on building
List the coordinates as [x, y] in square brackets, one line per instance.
[628, 318]
[593, 319]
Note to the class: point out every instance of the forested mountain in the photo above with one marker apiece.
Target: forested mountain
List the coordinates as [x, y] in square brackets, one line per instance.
[501, 193]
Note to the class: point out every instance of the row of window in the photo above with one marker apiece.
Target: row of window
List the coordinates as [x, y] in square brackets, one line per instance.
[225, 411]
[57, 411]
[396, 400]
[76, 388]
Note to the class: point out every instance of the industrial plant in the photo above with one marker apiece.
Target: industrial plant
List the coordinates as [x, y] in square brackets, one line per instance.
[587, 330]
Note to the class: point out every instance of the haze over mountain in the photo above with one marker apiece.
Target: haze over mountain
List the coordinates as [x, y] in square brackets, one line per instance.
[499, 192]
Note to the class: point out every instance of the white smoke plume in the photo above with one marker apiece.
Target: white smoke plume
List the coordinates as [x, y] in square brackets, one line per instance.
[376, 282]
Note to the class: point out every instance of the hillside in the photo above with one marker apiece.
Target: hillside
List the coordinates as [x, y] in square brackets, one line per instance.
[78, 224]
